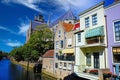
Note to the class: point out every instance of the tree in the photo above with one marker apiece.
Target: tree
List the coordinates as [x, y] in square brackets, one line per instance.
[42, 39]
[17, 53]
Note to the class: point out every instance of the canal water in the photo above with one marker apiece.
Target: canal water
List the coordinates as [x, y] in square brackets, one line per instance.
[10, 71]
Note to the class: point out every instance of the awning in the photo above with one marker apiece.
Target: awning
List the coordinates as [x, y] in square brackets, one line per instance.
[68, 51]
[99, 31]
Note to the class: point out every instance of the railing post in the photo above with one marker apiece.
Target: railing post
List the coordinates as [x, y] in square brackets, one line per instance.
[100, 74]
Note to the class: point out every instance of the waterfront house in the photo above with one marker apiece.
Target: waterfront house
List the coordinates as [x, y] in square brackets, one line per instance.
[64, 50]
[90, 44]
[48, 61]
[112, 13]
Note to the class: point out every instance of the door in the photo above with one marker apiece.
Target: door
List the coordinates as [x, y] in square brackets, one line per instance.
[96, 60]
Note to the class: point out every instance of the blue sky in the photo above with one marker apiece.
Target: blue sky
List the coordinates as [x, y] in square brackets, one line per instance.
[15, 16]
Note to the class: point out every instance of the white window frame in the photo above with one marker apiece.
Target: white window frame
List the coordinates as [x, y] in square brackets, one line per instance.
[59, 33]
[57, 45]
[69, 42]
[113, 54]
[114, 30]
[94, 23]
[88, 54]
[79, 37]
[61, 44]
[87, 22]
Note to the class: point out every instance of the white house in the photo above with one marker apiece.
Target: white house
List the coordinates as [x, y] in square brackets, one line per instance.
[91, 43]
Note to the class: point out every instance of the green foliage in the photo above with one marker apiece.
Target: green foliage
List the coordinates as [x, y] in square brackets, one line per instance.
[40, 41]
[17, 53]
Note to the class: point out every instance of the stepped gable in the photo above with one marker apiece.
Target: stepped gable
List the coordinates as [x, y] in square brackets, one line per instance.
[49, 54]
[67, 26]
[67, 16]
[35, 23]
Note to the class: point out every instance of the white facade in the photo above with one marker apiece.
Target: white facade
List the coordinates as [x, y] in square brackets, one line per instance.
[96, 50]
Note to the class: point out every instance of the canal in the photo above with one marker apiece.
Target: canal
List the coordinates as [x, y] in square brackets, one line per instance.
[10, 71]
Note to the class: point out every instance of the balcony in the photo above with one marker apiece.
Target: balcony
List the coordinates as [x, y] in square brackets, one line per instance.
[89, 73]
[66, 58]
[66, 65]
[95, 40]
[95, 36]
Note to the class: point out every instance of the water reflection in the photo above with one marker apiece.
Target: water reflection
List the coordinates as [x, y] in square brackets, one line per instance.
[10, 71]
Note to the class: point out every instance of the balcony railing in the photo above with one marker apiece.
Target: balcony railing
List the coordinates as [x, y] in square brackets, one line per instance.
[95, 40]
[91, 72]
[66, 58]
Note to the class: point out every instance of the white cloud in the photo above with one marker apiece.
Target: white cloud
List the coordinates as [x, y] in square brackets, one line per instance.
[13, 43]
[23, 28]
[77, 5]
[6, 29]
[32, 4]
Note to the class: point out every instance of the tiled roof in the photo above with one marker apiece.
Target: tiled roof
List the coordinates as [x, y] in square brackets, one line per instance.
[67, 26]
[77, 25]
[49, 54]
[35, 23]
[68, 15]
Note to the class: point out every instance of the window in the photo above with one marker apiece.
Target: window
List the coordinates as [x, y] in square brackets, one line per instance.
[94, 19]
[56, 55]
[56, 65]
[59, 33]
[61, 42]
[117, 30]
[51, 62]
[57, 44]
[69, 42]
[79, 37]
[69, 66]
[88, 59]
[65, 65]
[87, 22]
[60, 66]
[116, 54]
[96, 60]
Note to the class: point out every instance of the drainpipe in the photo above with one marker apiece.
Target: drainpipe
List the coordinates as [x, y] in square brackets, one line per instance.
[75, 52]
[106, 37]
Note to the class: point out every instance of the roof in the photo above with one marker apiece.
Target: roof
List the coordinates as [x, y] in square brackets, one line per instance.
[77, 25]
[68, 15]
[67, 26]
[36, 23]
[91, 8]
[49, 54]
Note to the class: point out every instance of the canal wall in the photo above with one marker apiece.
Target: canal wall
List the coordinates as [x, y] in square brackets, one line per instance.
[31, 65]
[50, 74]
[23, 63]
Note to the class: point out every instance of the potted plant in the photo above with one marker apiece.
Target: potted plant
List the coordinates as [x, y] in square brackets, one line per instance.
[107, 74]
[95, 72]
[114, 76]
